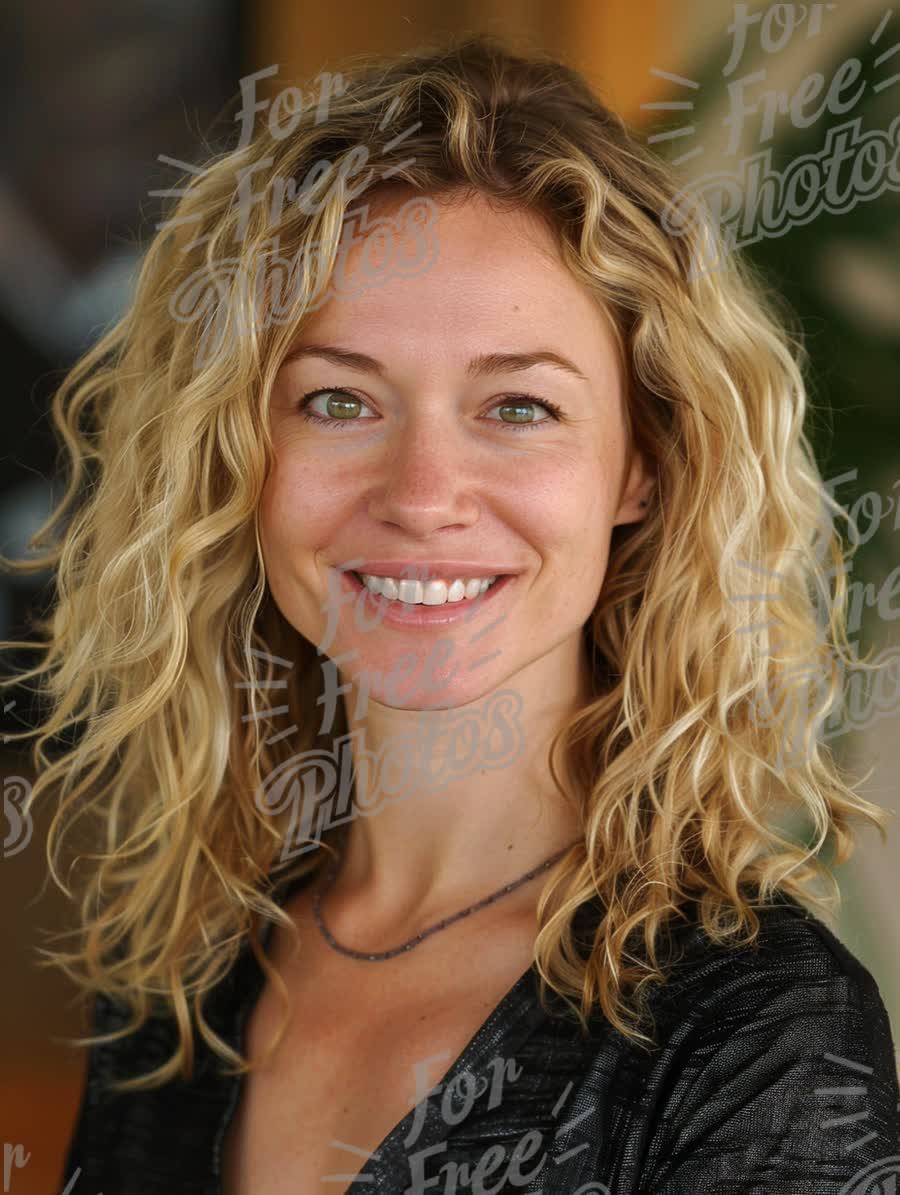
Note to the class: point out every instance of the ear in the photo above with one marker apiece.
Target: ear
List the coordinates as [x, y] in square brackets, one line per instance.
[634, 502]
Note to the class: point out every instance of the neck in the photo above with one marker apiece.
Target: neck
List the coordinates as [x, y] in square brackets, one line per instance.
[446, 843]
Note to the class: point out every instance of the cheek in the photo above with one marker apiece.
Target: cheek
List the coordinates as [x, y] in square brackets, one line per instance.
[300, 504]
[566, 511]
[275, 530]
[568, 502]
[292, 527]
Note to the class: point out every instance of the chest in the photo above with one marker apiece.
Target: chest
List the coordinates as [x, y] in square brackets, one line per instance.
[351, 1065]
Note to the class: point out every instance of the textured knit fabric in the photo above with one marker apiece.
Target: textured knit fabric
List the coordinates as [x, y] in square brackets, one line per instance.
[774, 1075]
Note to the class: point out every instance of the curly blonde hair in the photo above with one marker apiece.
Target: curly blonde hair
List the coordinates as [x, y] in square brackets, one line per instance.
[689, 802]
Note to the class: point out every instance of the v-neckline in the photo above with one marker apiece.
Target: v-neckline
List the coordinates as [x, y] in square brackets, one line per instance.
[518, 1007]
[518, 1015]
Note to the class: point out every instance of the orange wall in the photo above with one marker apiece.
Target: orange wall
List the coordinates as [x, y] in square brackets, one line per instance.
[612, 42]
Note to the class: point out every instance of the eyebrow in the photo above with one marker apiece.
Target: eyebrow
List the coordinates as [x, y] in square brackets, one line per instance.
[481, 366]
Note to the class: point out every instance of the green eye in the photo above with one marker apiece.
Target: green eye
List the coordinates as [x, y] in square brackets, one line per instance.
[343, 408]
[347, 408]
[521, 412]
[340, 410]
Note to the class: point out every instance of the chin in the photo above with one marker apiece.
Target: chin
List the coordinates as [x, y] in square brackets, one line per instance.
[416, 695]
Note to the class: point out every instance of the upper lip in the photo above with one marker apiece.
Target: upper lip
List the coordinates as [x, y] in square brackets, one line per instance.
[433, 570]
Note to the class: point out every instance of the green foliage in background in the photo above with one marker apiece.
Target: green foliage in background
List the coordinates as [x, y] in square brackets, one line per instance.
[839, 274]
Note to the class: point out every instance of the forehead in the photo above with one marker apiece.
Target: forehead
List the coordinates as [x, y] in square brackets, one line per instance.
[493, 280]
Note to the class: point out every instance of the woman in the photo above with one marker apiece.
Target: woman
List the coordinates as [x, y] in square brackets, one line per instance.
[429, 478]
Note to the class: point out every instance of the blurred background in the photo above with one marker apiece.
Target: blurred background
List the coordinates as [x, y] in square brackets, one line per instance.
[105, 103]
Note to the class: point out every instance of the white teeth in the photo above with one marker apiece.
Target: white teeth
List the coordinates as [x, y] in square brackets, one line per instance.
[410, 591]
[428, 593]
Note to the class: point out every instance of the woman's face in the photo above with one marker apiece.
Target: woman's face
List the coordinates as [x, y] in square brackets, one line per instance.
[438, 466]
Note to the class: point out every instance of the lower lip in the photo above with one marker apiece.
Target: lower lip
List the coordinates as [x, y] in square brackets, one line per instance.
[395, 613]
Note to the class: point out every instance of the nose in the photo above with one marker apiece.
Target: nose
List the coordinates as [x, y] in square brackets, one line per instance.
[426, 475]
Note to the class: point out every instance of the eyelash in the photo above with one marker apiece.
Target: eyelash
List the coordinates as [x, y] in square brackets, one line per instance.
[556, 414]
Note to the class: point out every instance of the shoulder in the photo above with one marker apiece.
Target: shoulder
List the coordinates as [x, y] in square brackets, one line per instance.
[796, 984]
[776, 1062]
[772, 1070]
[794, 953]
[111, 1140]
[793, 945]
[115, 1138]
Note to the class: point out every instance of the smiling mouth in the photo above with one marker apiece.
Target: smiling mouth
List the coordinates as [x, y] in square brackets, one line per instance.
[422, 615]
[436, 592]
